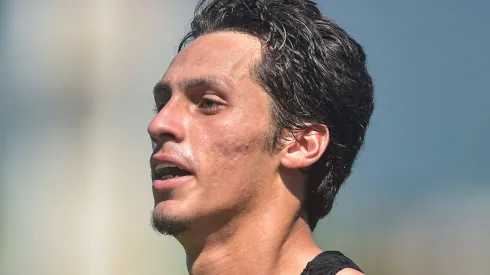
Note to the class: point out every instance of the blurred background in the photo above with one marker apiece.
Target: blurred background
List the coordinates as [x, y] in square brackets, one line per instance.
[75, 84]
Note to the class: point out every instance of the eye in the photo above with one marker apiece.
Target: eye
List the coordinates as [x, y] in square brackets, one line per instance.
[209, 105]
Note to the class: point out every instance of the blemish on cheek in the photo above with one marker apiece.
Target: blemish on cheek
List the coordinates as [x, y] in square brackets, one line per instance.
[242, 149]
[236, 151]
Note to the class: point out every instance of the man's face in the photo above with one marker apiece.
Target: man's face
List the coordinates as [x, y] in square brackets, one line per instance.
[213, 121]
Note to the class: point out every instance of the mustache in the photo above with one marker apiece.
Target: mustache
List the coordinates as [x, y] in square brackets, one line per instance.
[183, 154]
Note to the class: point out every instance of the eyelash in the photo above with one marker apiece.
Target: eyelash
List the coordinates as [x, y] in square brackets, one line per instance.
[216, 106]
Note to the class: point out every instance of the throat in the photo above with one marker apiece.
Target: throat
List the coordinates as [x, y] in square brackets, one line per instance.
[249, 249]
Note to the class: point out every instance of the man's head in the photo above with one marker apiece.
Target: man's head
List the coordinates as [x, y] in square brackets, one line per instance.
[262, 93]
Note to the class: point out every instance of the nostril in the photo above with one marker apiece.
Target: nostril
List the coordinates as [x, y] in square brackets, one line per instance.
[166, 136]
[159, 138]
[157, 143]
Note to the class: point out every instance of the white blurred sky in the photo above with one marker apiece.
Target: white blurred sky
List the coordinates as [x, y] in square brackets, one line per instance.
[76, 80]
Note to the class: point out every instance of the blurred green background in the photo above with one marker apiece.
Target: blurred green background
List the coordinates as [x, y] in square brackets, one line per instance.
[76, 80]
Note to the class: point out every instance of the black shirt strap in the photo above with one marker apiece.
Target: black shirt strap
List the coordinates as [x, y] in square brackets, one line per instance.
[329, 263]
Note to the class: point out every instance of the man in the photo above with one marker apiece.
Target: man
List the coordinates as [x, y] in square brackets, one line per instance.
[259, 119]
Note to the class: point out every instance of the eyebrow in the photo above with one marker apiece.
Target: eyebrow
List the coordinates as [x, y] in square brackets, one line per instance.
[189, 83]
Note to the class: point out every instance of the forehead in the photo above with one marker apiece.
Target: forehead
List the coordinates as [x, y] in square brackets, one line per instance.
[228, 54]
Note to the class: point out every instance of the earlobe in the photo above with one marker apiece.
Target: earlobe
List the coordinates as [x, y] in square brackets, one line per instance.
[306, 147]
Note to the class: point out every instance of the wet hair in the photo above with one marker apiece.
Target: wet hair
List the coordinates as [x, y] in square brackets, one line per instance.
[313, 71]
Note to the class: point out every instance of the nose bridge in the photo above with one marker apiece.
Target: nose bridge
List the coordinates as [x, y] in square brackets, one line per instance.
[168, 122]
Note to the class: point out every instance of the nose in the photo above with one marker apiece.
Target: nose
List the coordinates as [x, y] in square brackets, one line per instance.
[167, 125]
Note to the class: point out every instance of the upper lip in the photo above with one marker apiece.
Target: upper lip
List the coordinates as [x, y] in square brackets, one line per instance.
[165, 158]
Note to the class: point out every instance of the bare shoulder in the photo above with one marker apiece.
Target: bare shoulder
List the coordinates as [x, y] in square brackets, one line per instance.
[349, 271]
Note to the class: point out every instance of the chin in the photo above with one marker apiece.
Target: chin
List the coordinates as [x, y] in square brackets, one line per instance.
[168, 225]
[169, 218]
[169, 208]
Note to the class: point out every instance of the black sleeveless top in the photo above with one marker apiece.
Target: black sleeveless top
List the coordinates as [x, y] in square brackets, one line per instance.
[329, 263]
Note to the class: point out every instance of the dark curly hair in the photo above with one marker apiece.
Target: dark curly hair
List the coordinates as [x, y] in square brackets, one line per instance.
[313, 71]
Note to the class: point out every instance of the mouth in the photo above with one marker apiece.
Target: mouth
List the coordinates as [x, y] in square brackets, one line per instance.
[167, 171]
[167, 176]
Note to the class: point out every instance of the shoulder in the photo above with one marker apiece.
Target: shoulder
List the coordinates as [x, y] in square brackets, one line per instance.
[349, 271]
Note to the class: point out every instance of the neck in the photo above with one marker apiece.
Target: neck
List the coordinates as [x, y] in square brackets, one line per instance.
[268, 240]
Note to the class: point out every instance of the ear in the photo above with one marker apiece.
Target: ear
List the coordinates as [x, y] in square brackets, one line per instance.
[306, 146]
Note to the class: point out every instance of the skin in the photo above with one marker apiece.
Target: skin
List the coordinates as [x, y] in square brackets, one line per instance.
[242, 203]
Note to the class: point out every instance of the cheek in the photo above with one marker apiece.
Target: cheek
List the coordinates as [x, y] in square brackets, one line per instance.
[229, 151]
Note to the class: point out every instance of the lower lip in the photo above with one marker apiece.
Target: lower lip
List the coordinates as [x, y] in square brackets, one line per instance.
[169, 184]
